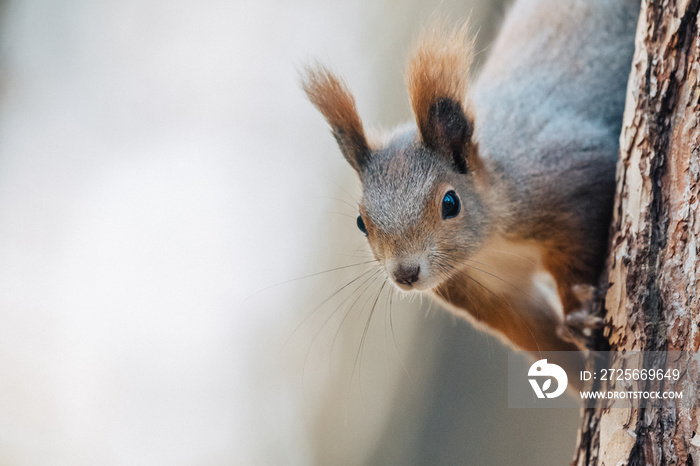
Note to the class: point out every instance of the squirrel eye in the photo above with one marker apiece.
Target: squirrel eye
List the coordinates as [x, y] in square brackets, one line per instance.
[450, 205]
[361, 225]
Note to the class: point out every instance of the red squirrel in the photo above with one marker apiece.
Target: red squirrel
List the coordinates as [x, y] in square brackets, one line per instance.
[502, 180]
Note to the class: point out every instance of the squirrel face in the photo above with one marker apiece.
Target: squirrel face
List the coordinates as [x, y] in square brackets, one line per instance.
[422, 217]
[421, 206]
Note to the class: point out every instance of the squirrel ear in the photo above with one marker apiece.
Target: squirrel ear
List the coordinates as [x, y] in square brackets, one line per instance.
[330, 95]
[437, 76]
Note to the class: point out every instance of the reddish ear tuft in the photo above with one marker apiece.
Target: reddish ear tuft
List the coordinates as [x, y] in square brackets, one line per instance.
[437, 78]
[330, 95]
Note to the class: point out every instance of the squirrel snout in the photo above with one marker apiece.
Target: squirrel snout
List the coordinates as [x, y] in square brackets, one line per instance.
[407, 275]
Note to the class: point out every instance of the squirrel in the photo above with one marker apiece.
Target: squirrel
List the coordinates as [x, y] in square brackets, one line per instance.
[504, 179]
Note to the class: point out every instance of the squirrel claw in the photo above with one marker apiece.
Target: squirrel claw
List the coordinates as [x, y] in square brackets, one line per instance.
[583, 292]
[584, 321]
[578, 326]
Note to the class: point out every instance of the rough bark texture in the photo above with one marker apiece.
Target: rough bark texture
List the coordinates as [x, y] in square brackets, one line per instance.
[652, 302]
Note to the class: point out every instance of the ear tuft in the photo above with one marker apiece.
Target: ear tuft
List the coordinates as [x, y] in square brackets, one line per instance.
[437, 78]
[330, 95]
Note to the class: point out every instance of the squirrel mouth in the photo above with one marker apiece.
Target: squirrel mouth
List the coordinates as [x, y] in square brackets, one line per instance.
[419, 285]
[404, 287]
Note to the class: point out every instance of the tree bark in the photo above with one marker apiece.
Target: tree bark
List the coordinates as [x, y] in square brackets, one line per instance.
[652, 303]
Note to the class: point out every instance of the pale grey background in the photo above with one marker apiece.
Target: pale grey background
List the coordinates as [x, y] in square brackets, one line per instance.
[159, 170]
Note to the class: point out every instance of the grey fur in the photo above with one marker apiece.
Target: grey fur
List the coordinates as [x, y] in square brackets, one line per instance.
[397, 183]
[549, 109]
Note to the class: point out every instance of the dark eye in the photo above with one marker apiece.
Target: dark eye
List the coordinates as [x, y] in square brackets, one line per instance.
[361, 225]
[450, 205]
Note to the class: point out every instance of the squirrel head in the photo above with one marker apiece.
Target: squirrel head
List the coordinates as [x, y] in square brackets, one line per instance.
[422, 207]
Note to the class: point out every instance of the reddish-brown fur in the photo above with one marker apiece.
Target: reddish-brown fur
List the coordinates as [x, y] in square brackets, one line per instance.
[439, 68]
[331, 96]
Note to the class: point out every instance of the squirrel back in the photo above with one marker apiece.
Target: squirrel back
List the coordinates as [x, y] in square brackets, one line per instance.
[555, 84]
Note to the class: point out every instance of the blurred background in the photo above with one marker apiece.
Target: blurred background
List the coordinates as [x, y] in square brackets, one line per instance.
[169, 204]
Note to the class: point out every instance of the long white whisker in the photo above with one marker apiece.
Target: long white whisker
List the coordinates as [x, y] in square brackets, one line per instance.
[373, 277]
[362, 341]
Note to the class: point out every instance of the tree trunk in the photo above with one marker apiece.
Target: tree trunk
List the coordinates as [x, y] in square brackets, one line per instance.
[652, 303]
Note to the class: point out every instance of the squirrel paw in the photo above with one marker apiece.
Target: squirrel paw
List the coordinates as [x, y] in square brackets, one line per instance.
[578, 326]
[585, 293]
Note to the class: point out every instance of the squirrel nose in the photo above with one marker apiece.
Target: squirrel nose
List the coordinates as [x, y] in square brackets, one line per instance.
[407, 275]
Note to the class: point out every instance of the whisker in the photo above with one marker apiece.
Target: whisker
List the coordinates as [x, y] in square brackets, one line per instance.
[362, 250]
[342, 214]
[504, 281]
[308, 352]
[539, 301]
[500, 298]
[362, 341]
[386, 347]
[358, 254]
[353, 207]
[510, 305]
[347, 313]
[367, 301]
[338, 308]
[527, 259]
[499, 270]
[313, 311]
[392, 291]
[309, 276]
[340, 187]
[347, 400]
